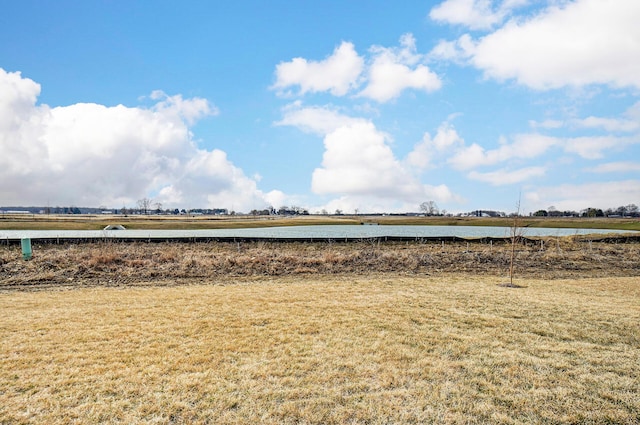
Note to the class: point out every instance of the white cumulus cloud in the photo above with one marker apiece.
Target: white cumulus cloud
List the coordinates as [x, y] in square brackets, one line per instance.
[358, 161]
[525, 146]
[424, 152]
[594, 147]
[315, 119]
[336, 74]
[458, 51]
[572, 44]
[385, 75]
[629, 122]
[359, 166]
[475, 14]
[87, 154]
[394, 70]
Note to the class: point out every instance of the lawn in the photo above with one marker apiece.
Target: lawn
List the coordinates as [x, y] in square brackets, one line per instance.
[324, 349]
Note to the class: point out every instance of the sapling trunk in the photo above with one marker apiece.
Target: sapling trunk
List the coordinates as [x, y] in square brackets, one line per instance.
[515, 238]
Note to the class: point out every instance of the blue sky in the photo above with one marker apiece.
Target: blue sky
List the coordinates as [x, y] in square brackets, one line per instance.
[370, 106]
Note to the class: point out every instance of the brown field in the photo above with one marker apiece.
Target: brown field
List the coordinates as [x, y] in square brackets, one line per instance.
[320, 333]
[98, 222]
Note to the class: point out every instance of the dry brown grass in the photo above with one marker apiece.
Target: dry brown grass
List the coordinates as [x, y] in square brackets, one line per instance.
[126, 264]
[320, 333]
[325, 349]
[97, 222]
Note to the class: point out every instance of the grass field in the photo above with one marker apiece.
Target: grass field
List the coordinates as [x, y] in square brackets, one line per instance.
[374, 349]
[320, 333]
[98, 222]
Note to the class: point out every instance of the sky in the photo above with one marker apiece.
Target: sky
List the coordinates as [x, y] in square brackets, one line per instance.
[328, 105]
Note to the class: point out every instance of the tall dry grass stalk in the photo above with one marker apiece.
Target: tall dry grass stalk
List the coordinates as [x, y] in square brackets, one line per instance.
[375, 349]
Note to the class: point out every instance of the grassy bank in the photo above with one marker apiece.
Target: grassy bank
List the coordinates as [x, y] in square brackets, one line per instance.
[329, 349]
[136, 263]
[98, 222]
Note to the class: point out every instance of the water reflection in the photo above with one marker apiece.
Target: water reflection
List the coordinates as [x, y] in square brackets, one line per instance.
[307, 232]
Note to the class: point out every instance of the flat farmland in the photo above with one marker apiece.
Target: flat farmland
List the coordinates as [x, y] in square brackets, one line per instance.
[322, 333]
[182, 222]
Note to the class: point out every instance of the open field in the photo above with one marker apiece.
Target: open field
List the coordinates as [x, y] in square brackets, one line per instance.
[98, 222]
[321, 333]
[381, 348]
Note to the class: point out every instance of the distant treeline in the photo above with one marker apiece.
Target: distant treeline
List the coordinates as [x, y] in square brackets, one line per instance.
[630, 210]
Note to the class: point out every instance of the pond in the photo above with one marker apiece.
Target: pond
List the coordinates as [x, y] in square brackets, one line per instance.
[306, 232]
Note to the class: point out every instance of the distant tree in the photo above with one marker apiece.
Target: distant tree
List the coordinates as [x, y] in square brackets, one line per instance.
[158, 208]
[429, 208]
[144, 205]
[553, 212]
[621, 210]
[592, 212]
[338, 212]
[540, 213]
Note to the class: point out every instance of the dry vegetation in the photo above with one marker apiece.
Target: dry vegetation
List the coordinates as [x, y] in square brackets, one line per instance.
[126, 264]
[98, 222]
[320, 333]
[341, 349]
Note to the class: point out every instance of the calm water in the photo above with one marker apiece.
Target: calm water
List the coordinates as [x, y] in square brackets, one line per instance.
[320, 232]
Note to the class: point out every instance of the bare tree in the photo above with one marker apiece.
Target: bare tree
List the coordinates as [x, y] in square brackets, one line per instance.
[143, 205]
[516, 237]
[429, 208]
